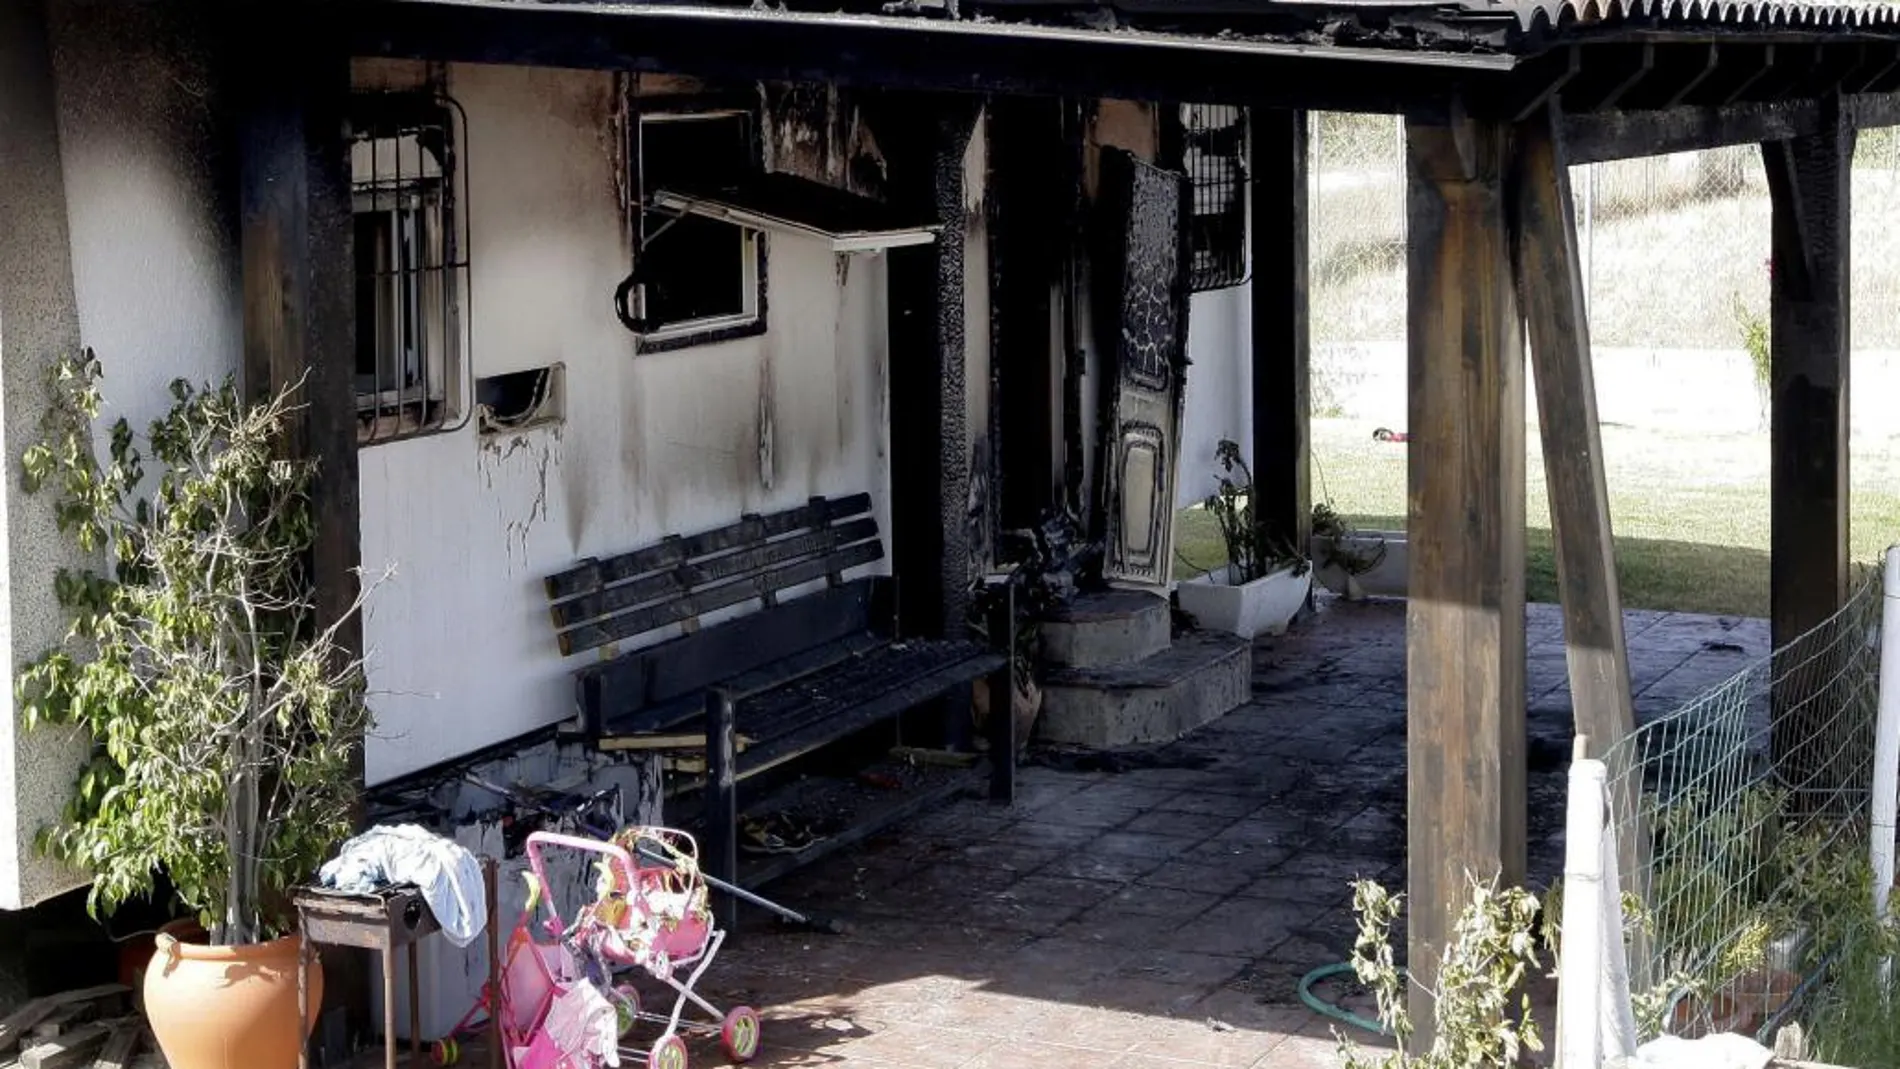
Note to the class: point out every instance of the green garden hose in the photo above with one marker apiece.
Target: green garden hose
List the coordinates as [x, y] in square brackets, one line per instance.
[1324, 1008]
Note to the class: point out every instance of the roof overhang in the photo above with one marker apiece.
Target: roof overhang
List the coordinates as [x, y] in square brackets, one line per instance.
[910, 52]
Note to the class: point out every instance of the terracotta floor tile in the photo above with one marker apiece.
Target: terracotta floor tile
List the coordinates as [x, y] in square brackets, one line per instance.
[924, 1046]
[1303, 1052]
[1025, 1054]
[1203, 1046]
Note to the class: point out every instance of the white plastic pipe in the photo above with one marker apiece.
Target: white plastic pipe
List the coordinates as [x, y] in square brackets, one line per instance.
[1886, 799]
[1580, 969]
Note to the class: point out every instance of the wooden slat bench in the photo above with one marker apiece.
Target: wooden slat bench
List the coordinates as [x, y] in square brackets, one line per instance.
[765, 688]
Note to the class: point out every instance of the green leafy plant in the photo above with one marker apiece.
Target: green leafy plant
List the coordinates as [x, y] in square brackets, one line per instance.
[1328, 524]
[1481, 1014]
[1251, 553]
[1754, 330]
[224, 714]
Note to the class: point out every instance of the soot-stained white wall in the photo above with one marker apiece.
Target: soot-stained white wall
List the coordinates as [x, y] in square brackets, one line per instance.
[462, 653]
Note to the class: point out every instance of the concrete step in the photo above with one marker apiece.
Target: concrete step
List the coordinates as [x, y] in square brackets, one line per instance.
[1200, 678]
[1111, 627]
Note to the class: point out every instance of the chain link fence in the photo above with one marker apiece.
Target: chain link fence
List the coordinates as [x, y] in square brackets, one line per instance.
[1675, 250]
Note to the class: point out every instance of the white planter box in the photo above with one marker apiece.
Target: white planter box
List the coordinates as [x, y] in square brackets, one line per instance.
[1265, 605]
[1386, 579]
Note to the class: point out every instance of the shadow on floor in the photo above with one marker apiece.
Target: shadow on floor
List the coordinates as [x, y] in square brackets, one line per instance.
[1159, 908]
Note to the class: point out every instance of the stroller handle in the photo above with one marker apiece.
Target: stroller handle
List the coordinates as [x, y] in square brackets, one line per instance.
[616, 854]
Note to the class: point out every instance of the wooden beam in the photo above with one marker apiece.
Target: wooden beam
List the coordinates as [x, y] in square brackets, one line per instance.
[1609, 72]
[1619, 135]
[298, 279]
[1551, 292]
[1810, 188]
[1465, 611]
[1282, 343]
[931, 443]
[295, 234]
[1677, 74]
[1550, 289]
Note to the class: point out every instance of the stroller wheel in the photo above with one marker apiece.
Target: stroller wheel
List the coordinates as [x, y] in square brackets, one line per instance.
[445, 1051]
[668, 1053]
[626, 1002]
[740, 1034]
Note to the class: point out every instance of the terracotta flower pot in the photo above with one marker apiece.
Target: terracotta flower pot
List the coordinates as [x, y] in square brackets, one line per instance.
[229, 1007]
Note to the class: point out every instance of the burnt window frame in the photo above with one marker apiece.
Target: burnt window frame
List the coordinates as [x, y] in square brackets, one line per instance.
[650, 223]
[1221, 194]
[427, 393]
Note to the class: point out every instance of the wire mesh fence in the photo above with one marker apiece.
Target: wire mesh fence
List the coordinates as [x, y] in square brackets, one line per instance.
[1675, 253]
[1746, 813]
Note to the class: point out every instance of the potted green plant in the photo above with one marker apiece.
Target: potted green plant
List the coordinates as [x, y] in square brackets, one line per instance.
[1354, 562]
[224, 714]
[1263, 584]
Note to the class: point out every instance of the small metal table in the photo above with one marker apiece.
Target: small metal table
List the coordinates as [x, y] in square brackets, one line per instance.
[385, 922]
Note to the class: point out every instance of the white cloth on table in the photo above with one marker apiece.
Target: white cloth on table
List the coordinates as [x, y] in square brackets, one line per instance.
[447, 874]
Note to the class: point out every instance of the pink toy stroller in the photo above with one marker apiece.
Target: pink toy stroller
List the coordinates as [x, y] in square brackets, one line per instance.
[559, 1006]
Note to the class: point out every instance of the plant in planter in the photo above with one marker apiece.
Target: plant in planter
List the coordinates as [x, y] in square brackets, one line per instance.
[1043, 579]
[1342, 553]
[224, 715]
[1264, 582]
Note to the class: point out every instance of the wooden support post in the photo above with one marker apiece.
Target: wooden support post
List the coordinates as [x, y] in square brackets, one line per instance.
[1282, 344]
[493, 988]
[722, 802]
[1550, 292]
[930, 437]
[299, 278]
[295, 236]
[1465, 613]
[1550, 287]
[1809, 186]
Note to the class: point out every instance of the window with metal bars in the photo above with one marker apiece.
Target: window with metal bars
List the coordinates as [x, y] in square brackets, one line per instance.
[1215, 157]
[411, 265]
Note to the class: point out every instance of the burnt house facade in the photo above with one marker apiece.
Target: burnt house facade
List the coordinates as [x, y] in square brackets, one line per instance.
[583, 285]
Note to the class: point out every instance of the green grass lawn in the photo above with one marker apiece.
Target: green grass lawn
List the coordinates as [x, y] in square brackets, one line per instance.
[1690, 512]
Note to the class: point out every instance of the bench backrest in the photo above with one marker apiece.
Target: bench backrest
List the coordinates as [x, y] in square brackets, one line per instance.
[600, 602]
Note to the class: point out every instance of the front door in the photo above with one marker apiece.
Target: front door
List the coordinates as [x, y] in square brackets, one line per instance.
[1150, 366]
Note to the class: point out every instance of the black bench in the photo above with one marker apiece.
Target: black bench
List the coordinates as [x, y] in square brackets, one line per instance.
[767, 687]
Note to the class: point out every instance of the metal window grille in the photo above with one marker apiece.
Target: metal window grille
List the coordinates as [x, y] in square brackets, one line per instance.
[1215, 156]
[411, 243]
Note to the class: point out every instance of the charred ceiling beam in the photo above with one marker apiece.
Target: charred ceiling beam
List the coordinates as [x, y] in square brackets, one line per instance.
[1870, 111]
[1738, 67]
[1794, 70]
[921, 54]
[1610, 71]
[1678, 71]
[1829, 70]
[1619, 135]
[1544, 76]
[1879, 74]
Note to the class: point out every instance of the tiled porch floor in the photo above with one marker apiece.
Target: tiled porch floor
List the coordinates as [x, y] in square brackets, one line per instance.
[1158, 909]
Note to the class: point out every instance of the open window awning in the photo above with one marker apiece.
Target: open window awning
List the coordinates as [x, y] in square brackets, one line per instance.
[788, 204]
